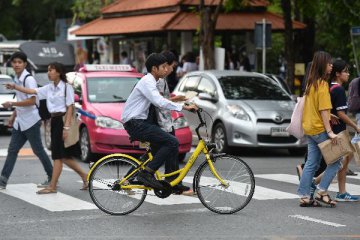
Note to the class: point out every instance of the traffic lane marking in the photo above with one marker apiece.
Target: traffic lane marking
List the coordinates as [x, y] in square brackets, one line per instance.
[288, 178]
[261, 193]
[307, 218]
[55, 202]
[24, 152]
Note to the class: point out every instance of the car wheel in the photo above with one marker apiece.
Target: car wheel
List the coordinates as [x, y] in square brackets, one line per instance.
[219, 138]
[86, 154]
[47, 133]
[297, 151]
[181, 157]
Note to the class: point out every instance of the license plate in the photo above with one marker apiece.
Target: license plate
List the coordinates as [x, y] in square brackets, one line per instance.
[143, 144]
[279, 132]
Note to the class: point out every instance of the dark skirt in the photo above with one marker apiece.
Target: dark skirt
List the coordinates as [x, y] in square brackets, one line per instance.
[58, 151]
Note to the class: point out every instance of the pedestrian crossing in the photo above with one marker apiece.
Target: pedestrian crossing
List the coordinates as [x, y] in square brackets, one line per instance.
[63, 202]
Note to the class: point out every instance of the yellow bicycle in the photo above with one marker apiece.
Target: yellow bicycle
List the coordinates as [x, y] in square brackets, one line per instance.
[224, 184]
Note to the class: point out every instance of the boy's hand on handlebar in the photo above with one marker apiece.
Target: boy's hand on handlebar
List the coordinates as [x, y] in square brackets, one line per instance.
[190, 107]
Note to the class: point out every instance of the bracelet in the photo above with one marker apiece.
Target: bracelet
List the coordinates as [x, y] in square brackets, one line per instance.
[66, 128]
[329, 131]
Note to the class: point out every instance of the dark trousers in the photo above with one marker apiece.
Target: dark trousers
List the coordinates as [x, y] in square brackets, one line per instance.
[169, 166]
[166, 145]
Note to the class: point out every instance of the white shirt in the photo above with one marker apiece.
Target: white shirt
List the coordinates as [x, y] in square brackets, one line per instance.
[189, 67]
[55, 96]
[164, 115]
[143, 94]
[27, 116]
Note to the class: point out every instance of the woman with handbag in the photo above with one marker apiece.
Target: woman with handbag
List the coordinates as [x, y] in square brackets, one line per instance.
[316, 125]
[60, 103]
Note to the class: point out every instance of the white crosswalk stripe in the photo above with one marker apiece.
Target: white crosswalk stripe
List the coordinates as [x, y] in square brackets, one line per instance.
[63, 202]
[352, 188]
[51, 202]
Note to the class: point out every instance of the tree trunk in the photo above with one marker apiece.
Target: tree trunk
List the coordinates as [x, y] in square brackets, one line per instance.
[207, 33]
[289, 43]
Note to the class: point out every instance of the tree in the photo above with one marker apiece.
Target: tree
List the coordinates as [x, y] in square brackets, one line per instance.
[289, 42]
[89, 9]
[208, 20]
[32, 19]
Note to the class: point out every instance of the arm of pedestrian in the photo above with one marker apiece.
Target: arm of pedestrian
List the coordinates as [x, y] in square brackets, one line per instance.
[13, 86]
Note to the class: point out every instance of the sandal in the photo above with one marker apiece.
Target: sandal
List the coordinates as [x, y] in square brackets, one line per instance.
[306, 202]
[325, 198]
[46, 191]
[85, 185]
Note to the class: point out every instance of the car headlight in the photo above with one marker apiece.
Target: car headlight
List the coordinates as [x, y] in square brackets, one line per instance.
[180, 122]
[107, 122]
[238, 112]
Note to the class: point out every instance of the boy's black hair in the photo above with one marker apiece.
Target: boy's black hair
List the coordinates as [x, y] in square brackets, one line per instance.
[154, 60]
[20, 55]
[170, 57]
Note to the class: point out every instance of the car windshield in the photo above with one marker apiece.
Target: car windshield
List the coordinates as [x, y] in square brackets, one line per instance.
[110, 89]
[3, 89]
[251, 88]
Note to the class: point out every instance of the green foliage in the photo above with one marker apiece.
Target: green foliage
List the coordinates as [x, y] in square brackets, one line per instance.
[88, 9]
[32, 19]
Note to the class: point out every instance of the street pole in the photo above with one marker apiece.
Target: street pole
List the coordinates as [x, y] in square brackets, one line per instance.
[264, 47]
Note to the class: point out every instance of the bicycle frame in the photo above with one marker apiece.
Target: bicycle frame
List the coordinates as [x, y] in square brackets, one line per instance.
[200, 148]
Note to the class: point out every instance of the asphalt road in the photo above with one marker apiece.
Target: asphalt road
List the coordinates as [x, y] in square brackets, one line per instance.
[273, 213]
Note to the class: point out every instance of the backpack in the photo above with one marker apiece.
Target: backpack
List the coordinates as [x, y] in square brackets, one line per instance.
[354, 96]
[42, 108]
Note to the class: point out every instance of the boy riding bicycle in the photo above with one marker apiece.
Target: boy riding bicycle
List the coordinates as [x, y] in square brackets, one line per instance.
[136, 112]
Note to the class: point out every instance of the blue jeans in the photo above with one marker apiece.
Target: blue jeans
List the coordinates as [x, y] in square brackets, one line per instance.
[166, 144]
[18, 139]
[313, 163]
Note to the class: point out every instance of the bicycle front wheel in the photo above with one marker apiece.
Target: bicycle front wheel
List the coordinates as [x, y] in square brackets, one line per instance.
[106, 192]
[235, 194]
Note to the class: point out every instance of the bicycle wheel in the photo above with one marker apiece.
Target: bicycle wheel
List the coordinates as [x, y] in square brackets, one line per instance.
[106, 192]
[225, 199]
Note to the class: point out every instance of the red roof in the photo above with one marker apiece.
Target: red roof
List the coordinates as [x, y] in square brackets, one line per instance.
[136, 5]
[123, 25]
[178, 21]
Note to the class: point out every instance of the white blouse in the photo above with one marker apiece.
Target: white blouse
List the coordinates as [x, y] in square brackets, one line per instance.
[55, 96]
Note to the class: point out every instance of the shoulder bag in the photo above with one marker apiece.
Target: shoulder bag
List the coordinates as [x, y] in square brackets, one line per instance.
[73, 132]
[295, 127]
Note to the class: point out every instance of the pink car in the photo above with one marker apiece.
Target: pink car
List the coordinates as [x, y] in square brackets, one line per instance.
[103, 90]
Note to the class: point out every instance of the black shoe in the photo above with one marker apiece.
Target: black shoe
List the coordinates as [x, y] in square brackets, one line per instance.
[350, 173]
[179, 189]
[149, 180]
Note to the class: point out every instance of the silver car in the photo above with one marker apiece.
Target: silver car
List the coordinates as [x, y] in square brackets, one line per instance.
[241, 109]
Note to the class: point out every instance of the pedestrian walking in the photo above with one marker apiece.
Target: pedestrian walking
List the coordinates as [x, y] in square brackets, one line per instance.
[316, 125]
[339, 75]
[25, 122]
[60, 102]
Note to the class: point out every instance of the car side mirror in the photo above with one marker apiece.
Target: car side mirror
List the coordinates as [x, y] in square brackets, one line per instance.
[207, 97]
[77, 98]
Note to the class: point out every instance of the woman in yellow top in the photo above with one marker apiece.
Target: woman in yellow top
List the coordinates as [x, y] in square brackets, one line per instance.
[316, 124]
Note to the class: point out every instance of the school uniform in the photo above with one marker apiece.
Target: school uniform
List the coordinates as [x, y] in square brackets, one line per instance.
[26, 127]
[57, 100]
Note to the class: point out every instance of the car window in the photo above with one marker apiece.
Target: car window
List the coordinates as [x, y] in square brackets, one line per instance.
[110, 89]
[3, 89]
[206, 86]
[190, 84]
[253, 88]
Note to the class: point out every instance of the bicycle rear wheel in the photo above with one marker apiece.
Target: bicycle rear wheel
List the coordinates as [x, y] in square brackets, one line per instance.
[225, 199]
[105, 191]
